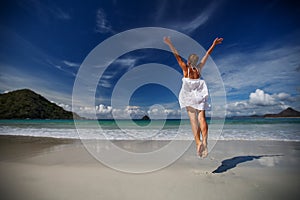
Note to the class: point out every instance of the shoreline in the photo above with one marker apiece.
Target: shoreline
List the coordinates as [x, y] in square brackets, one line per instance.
[47, 168]
[47, 139]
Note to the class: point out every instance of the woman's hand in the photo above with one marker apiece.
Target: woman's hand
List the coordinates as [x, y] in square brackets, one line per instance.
[217, 41]
[203, 60]
[167, 40]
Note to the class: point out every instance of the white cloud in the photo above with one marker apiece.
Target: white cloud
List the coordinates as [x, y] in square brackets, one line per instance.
[260, 98]
[102, 109]
[260, 103]
[129, 112]
[108, 112]
[102, 24]
[133, 109]
[284, 97]
[257, 104]
[159, 112]
[272, 68]
[64, 106]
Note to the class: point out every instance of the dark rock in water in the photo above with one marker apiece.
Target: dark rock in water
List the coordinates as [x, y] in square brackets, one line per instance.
[145, 118]
[26, 104]
[289, 112]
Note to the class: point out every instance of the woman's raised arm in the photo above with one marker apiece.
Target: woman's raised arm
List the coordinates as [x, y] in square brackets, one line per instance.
[167, 40]
[203, 60]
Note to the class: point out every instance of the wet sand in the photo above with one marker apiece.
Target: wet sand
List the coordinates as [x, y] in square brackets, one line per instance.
[49, 168]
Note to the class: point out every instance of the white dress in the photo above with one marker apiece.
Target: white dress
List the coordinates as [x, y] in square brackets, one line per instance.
[193, 93]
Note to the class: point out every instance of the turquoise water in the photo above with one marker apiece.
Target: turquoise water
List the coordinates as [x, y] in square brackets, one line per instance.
[282, 129]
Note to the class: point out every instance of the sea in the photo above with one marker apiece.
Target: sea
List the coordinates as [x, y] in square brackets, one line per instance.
[278, 129]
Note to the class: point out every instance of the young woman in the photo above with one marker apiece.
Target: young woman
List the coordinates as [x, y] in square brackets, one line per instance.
[194, 94]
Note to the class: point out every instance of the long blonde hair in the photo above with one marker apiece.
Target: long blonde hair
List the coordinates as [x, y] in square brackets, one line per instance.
[193, 60]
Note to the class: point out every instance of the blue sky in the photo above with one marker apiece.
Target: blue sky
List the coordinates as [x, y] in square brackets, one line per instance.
[43, 44]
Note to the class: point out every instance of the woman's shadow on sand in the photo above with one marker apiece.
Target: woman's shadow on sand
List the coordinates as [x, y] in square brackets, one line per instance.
[233, 162]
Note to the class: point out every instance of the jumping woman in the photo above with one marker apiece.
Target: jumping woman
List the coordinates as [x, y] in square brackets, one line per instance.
[194, 94]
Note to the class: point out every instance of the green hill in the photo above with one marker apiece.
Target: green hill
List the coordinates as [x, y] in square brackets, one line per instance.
[26, 104]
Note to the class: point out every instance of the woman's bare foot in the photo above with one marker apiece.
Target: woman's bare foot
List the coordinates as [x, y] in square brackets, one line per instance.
[205, 151]
[200, 149]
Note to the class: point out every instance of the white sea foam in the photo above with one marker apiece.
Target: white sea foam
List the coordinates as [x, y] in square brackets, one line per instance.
[279, 132]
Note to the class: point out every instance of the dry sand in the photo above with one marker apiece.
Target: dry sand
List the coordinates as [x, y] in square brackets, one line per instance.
[48, 168]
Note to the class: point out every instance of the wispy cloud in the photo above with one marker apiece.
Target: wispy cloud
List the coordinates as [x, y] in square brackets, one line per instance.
[127, 62]
[185, 25]
[71, 64]
[106, 82]
[160, 10]
[44, 10]
[200, 19]
[60, 14]
[102, 24]
[61, 65]
[33, 57]
[273, 68]
[34, 69]
[121, 64]
[13, 79]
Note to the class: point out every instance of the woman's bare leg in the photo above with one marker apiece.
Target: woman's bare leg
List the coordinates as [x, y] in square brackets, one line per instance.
[204, 130]
[195, 126]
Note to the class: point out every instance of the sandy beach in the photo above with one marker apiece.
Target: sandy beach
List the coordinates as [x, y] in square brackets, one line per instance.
[49, 168]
